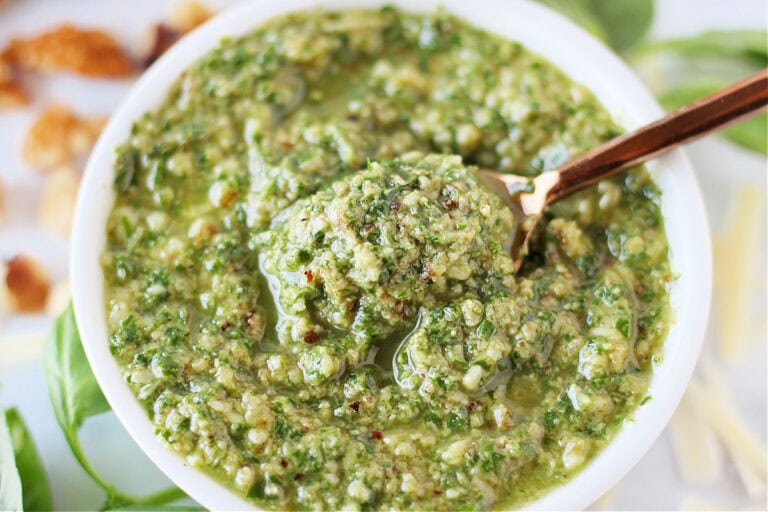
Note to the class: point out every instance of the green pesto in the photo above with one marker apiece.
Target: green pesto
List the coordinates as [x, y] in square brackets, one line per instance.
[310, 292]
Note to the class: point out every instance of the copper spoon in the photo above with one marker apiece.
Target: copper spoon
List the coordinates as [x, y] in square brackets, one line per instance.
[529, 197]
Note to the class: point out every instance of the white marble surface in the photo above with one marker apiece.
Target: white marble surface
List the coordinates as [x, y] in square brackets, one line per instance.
[654, 484]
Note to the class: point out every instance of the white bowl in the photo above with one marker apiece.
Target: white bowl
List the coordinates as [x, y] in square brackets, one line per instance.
[542, 31]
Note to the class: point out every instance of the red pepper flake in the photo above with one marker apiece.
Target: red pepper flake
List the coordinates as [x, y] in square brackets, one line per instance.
[472, 406]
[368, 228]
[450, 204]
[284, 463]
[311, 337]
[376, 434]
[298, 476]
[437, 492]
[309, 275]
[355, 406]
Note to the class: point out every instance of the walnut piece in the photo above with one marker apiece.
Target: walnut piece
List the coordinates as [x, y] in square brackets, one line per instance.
[159, 38]
[58, 136]
[26, 285]
[184, 17]
[57, 200]
[187, 15]
[12, 95]
[92, 53]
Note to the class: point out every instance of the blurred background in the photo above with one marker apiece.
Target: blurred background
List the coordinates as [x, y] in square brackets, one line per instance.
[59, 84]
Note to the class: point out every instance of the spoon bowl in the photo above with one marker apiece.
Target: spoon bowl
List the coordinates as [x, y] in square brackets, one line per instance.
[529, 197]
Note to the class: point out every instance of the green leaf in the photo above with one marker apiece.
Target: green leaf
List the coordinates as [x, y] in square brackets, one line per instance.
[751, 134]
[749, 45]
[580, 12]
[619, 23]
[76, 396]
[34, 481]
[625, 21]
[10, 483]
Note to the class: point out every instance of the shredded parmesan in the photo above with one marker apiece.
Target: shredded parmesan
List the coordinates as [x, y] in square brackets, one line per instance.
[736, 254]
[608, 500]
[697, 503]
[694, 444]
[746, 450]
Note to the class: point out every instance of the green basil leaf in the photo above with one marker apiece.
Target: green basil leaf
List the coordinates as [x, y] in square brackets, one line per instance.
[625, 22]
[580, 12]
[34, 481]
[751, 134]
[619, 23]
[10, 483]
[76, 396]
[749, 45]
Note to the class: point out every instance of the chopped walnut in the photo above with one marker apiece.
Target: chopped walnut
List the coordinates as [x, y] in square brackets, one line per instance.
[57, 200]
[26, 285]
[187, 15]
[87, 52]
[59, 136]
[184, 17]
[159, 38]
[12, 94]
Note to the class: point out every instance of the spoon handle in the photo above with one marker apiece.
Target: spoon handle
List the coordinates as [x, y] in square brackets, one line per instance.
[711, 113]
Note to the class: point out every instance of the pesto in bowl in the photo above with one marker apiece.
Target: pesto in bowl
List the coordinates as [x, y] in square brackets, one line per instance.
[309, 290]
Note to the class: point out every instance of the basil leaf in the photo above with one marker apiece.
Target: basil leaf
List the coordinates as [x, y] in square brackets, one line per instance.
[10, 483]
[580, 12]
[34, 481]
[625, 21]
[76, 396]
[749, 45]
[619, 23]
[751, 134]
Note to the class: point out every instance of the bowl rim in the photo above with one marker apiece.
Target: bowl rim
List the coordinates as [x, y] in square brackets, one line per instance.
[610, 80]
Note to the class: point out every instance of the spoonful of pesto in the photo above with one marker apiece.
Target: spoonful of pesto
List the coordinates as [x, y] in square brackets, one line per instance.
[529, 197]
